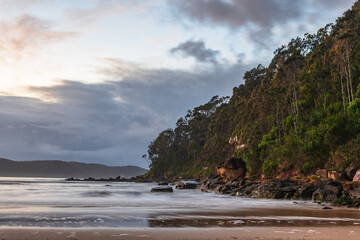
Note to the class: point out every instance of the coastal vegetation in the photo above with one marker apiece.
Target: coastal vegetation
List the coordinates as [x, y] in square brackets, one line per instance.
[298, 114]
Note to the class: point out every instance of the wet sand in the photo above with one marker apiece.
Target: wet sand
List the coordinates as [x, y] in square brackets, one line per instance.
[245, 233]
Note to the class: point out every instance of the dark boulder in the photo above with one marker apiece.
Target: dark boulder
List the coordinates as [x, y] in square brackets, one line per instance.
[223, 189]
[209, 185]
[328, 192]
[275, 190]
[186, 185]
[352, 189]
[163, 183]
[162, 189]
[351, 171]
[319, 195]
[304, 191]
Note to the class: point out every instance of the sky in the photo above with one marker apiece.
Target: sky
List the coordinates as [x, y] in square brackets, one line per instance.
[97, 80]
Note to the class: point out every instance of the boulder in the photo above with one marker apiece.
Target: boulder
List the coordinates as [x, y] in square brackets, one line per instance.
[351, 171]
[162, 189]
[318, 195]
[232, 169]
[209, 185]
[163, 183]
[186, 185]
[333, 191]
[274, 190]
[323, 173]
[304, 191]
[328, 192]
[334, 175]
[223, 189]
[357, 176]
[353, 189]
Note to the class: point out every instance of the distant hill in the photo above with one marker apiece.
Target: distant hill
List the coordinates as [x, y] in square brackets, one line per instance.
[61, 169]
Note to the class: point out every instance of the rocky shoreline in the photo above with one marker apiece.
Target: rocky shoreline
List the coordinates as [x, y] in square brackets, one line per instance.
[315, 188]
[325, 186]
[117, 179]
[318, 190]
[337, 188]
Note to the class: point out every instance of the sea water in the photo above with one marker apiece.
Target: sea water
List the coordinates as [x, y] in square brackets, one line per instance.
[49, 202]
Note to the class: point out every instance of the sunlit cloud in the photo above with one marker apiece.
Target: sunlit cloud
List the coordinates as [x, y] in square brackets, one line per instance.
[27, 35]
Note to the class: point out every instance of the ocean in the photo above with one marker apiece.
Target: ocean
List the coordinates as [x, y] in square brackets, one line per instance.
[49, 202]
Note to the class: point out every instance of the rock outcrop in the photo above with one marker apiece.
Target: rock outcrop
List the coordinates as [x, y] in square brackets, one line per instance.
[186, 185]
[334, 175]
[357, 176]
[323, 173]
[351, 172]
[231, 169]
[162, 189]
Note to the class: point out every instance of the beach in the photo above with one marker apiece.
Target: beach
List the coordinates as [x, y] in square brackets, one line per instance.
[247, 233]
[54, 209]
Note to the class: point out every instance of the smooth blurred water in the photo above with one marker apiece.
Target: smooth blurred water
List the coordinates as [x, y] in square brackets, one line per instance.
[48, 202]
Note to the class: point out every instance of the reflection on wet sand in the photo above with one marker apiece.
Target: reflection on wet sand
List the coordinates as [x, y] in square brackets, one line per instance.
[259, 217]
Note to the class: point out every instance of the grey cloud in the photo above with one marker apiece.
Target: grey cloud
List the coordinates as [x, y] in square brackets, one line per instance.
[258, 18]
[239, 13]
[111, 122]
[196, 49]
[332, 3]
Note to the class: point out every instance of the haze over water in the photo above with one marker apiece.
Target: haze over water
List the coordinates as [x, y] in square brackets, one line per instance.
[35, 202]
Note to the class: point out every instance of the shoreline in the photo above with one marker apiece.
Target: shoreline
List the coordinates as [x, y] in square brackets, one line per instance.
[243, 233]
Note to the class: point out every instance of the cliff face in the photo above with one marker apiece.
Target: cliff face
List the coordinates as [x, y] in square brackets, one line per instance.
[300, 113]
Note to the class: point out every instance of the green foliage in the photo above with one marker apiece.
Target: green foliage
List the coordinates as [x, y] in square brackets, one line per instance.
[297, 114]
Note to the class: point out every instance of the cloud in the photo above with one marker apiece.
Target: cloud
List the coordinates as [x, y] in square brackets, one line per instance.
[258, 18]
[197, 50]
[112, 122]
[8, 4]
[27, 33]
[239, 13]
[98, 9]
[332, 4]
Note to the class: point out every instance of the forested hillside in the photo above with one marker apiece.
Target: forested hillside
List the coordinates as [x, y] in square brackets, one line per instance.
[300, 113]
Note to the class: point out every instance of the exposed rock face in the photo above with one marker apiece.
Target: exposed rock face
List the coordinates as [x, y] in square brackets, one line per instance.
[323, 173]
[162, 189]
[334, 175]
[231, 169]
[357, 176]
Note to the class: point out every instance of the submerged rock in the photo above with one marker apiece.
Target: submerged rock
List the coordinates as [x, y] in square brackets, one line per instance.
[162, 189]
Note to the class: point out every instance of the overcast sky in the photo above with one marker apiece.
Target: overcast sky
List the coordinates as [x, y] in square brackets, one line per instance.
[97, 80]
